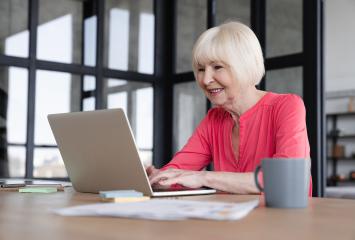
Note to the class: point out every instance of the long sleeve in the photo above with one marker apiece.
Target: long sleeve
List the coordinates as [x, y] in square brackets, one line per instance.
[291, 131]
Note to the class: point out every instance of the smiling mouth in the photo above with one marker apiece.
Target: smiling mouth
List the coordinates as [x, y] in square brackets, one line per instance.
[215, 91]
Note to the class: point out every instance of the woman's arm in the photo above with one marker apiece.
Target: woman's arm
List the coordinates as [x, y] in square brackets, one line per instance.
[291, 130]
[242, 183]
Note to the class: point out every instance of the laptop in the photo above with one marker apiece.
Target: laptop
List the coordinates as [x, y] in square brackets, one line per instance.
[100, 153]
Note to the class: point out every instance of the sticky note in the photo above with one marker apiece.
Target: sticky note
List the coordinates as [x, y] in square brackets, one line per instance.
[38, 190]
[125, 199]
[120, 193]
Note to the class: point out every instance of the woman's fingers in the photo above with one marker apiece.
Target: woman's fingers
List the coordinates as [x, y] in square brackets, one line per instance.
[151, 170]
[170, 181]
[189, 179]
[163, 175]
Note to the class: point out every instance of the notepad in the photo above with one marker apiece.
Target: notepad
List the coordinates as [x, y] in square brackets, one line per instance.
[125, 199]
[120, 193]
[38, 190]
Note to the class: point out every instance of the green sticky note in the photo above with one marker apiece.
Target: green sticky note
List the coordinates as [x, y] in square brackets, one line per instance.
[38, 190]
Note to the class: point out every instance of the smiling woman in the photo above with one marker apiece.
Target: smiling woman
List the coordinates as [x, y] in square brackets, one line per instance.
[246, 124]
[228, 61]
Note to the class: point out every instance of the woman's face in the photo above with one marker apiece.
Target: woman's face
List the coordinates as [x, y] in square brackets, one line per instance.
[218, 84]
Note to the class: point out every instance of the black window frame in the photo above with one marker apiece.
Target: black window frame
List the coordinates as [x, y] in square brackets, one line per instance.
[164, 77]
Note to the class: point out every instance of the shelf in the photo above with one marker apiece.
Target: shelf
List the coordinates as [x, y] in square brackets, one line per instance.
[342, 136]
[331, 179]
[334, 136]
[341, 158]
[341, 114]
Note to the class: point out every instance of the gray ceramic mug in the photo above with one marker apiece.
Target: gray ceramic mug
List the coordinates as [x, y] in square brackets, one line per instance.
[286, 182]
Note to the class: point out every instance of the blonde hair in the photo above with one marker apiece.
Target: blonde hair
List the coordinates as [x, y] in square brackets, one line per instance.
[235, 45]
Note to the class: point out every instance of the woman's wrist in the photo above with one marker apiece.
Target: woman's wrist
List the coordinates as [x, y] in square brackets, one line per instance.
[242, 183]
[205, 175]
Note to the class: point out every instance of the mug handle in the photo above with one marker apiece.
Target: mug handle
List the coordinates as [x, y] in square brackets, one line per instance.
[257, 170]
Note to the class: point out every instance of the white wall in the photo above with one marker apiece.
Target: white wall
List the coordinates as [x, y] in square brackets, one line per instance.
[339, 45]
[339, 67]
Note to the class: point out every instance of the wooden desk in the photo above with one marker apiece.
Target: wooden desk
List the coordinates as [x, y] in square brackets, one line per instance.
[28, 216]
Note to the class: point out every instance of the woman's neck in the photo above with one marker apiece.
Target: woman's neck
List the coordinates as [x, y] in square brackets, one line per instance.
[246, 99]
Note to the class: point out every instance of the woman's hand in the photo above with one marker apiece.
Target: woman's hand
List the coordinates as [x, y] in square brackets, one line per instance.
[241, 183]
[190, 179]
[151, 171]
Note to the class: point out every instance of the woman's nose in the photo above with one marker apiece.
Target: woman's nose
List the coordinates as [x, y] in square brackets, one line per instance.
[207, 77]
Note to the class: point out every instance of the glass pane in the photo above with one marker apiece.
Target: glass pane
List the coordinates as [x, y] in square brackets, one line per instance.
[191, 22]
[89, 104]
[146, 157]
[14, 34]
[90, 27]
[116, 99]
[17, 161]
[283, 27]
[129, 35]
[189, 109]
[56, 92]
[48, 163]
[288, 80]
[144, 118]
[136, 99]
[60, 31]
[89, 83]
[233, 10]
[13, 91]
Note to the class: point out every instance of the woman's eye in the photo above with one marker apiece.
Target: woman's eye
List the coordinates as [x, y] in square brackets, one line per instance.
[201, 69]
[217, 67]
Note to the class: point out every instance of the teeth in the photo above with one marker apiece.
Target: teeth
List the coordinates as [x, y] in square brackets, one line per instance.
[215, 90]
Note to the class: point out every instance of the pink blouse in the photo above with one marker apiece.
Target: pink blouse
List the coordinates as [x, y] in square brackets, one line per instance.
[274, 127]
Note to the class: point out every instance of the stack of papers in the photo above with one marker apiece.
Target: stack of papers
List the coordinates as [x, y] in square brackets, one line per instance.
[164, 210]
[26, 185]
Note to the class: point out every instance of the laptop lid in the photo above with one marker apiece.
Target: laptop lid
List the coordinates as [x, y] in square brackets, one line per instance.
[99, 153]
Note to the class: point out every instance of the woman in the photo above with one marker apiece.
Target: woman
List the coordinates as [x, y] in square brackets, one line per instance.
[246, 124]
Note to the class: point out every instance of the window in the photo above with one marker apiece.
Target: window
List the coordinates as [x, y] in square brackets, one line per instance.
[14, 34]
[136, 99]
[13, 124]
[191, 22]
[283, 27]
[70, 76]
[190, 107]
[287, 80]
[229, 10]
[59, 31]
[129, 35]
[136, 55]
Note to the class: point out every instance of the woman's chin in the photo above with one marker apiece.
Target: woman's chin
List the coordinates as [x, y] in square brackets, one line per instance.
[217, 104]
[223, 105]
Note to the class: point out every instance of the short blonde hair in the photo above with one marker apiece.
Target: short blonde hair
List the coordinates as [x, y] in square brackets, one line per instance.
[235, 45]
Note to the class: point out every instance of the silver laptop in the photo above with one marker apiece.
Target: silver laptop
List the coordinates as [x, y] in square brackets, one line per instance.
[99, 153]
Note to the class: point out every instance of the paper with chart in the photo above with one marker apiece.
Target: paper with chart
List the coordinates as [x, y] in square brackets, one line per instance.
[160, 209]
